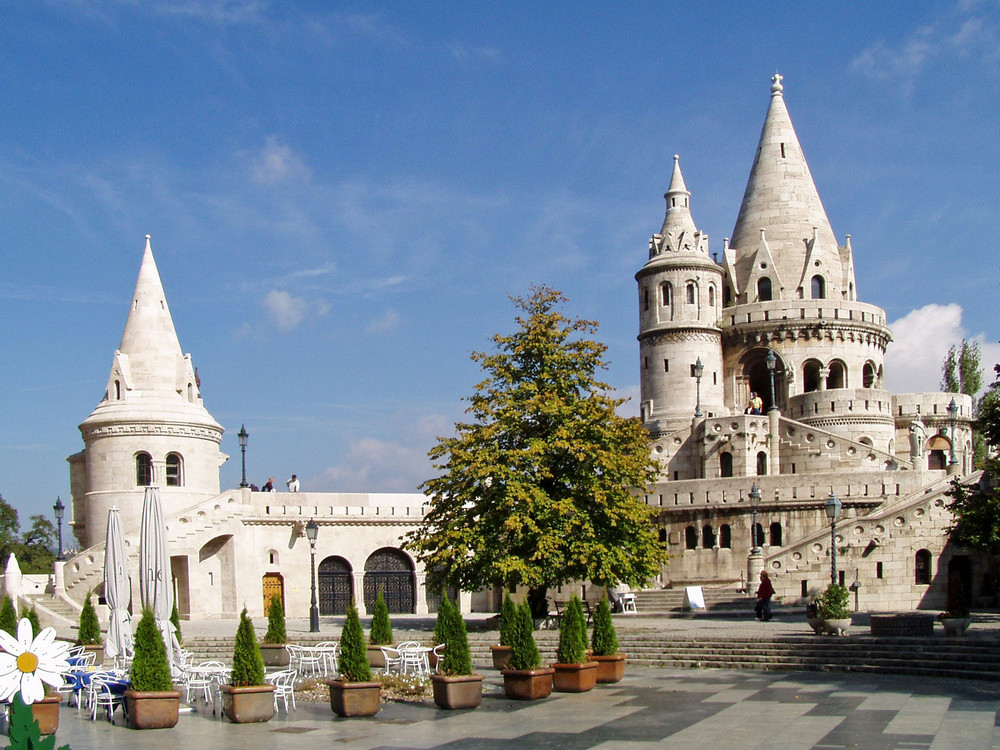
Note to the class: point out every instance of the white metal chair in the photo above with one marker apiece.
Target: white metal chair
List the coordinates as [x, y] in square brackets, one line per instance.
[102, 696]
[311, 659]
[628, 603]
[284, 687]
[393, 659]
[414, 659]
[329, 651]
[438, 652]
[71, 688]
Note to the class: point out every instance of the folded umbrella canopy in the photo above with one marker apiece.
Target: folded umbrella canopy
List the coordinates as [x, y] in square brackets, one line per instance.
[155, 585]
[117, 589]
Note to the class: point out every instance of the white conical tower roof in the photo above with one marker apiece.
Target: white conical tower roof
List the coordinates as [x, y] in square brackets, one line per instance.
[678, 220]
[781, 198]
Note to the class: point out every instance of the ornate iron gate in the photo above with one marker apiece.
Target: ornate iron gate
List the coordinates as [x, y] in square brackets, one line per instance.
[391, 572]
[335, 583]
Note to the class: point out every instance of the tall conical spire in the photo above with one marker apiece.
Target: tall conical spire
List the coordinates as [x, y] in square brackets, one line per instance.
[678, 220]
[782, 199]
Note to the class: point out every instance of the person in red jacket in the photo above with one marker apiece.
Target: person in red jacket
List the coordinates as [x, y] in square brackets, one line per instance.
[764, 593]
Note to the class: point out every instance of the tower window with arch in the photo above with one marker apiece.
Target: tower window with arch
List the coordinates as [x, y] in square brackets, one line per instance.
[775, 536]
[711, 295]
[725, 464]
[838, 375]
[645, 300]
[922, 568]
[707, 537]
[764, 292]
[691, 538]
[175, 466]
[725, 536]
[818, 287]
[666, 294]
[868, 375]
[761, 463]
[118, 390]
[810, 375]
[691, 290]
[143, 469]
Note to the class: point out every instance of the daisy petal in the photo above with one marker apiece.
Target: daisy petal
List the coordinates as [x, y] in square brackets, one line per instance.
[43, 641]
[24, 634]
[10, 644]
[32, 689]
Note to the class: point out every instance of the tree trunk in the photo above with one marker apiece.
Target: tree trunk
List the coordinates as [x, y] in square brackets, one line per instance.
[538, 602]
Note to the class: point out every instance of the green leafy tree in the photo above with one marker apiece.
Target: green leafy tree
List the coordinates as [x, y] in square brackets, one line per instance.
[975, 509]
[150, 666]
[248, 664]
[276, 633]
[8, 616]
[524, 651]
[572, 644]
[353, 661]
[450, 630]
[381, 631]
[832, 605]
[90, 629]
[508, 620]
[537, 489]
[962, 372]
[37, 546]
[604, 642]
[988, 415]
[10, 528]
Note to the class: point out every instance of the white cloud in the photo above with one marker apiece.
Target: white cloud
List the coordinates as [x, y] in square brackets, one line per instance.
[386, 322]
[921, 339]
[466, 54]
[278, 163]
[285, 310]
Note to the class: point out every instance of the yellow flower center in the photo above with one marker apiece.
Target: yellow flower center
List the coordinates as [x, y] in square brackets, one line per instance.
[27, 662]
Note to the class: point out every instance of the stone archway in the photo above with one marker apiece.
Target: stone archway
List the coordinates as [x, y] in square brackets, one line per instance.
[755, 377]
[335, 584]
[390, 571]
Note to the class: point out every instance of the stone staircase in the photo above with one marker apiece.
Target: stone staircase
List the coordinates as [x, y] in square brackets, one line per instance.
[670, 601]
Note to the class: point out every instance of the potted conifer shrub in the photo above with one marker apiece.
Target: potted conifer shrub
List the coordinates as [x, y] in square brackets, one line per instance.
[247, 699]
[573, 672]
[151, 702]
[832, 609]
[380, 633]
[355, 693]
[272, 647]
[8, 616]
[604, 643]
[455, 686]
[89, 634]
[526, 679]
[508, 616]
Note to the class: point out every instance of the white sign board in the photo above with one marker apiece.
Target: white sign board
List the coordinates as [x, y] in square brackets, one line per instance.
[694, 598]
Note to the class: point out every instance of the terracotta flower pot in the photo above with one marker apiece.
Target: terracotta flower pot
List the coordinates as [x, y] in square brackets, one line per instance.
[528, 684]
[275, 654]
[153, 710]
[246, 705]
[575, 678]
[501, 656]
[610, 668]
[355, 698]
[457, 691]
[46, 712]
[376, 659]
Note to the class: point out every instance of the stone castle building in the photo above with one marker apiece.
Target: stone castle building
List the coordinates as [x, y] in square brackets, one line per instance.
[778, 315]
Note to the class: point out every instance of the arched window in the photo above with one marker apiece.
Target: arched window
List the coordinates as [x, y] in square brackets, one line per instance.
[711, 295]
[758, 535]
[174, 465]
[691, 537]
[922, 568]
[810, 375]
[725, 536]
[725, 464]
[143, 469]
[666, 293]
[118, 390]
[645, 299]
[837, 377]
[818, 287]
[775, 540]
[764, 289]
[761, 463]
[868, 375]
[692, 293]
[707, 537]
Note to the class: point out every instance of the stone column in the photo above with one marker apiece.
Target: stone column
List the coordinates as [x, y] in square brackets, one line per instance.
[359, 592]
[774, 465]
[421, 594]
[59, 578]
[755, 564]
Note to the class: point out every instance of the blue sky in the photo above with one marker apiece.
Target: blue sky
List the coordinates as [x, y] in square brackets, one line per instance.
[341, 196]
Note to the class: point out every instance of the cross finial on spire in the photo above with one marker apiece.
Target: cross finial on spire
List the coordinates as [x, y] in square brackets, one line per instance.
[776, 87]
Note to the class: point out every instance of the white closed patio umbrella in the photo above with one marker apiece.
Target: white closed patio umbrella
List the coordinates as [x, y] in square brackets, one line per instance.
[117, 589]
[155, 585]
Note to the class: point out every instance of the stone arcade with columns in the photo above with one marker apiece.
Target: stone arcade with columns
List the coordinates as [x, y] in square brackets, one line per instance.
[778, 315]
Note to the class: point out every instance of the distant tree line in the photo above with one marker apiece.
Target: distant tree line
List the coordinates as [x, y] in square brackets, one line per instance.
[34, 549]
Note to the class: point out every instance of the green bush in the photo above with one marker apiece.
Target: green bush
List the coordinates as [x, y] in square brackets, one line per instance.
[32, 616]
[581, 618]
[450, 630]
[605, 639]
[248, 664]
[276, 633]
[381, 632]
[353, 652]
[832, 605]
[150, 666]
[572, 645]
[90, 629]
[524, 652]
[175, 618]
[508, 618]
[8, 616]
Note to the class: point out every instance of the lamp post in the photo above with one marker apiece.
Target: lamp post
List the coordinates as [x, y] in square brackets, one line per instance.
[772, 362]
[312, 531]
[698, 370]
[243, 435]
[952, 415]
[59, 509]
[754, 504]
[833, 506]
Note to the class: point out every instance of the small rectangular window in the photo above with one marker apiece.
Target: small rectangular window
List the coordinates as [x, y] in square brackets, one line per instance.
[692, 371]
[666, 365]
[878, 570]
[782, 150]
[715, 378]
[805, 589]
[645, 363]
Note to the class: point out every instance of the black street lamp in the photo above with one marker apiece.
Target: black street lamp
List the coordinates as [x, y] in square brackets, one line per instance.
[754, 504]
[833, 506]
[952, 415]
[772, 362]
[698, 369]
[243, 435]
[59, 509]
[312, 531]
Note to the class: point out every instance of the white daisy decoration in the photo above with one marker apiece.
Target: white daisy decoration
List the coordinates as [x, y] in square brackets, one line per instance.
[28, 663]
